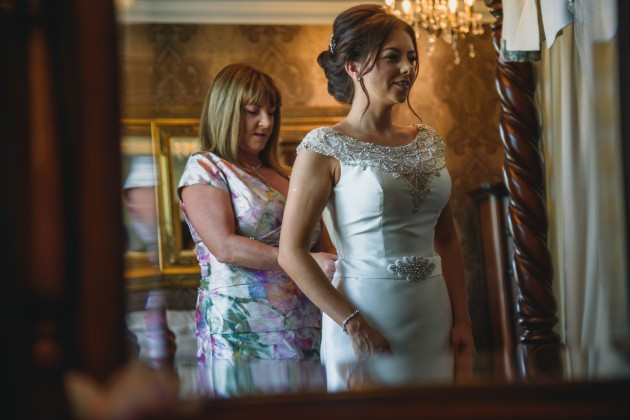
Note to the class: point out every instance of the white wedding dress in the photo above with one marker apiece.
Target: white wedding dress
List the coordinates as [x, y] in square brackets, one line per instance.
[381, 216]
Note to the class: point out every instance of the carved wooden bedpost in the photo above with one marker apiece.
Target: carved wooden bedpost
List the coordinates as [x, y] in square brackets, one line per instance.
[524, 178]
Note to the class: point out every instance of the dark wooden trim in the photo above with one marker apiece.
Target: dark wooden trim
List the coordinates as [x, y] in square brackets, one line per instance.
[91, 112]
[495, 243]
[624, 113]
[527, 213]
[59, 96]
[592, 400]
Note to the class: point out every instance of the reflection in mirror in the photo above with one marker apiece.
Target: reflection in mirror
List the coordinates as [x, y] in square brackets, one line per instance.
[73, 289]
[138, 197]
[468, 124]
[175, 141]
[183, 58]
[181, 149]
[159, 247]
[227, 379]
[161, 279]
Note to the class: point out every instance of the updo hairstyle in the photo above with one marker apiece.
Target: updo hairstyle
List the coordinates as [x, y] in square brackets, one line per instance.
[358, 35]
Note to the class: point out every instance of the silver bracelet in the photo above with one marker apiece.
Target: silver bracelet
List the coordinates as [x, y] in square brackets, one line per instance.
[345, 321]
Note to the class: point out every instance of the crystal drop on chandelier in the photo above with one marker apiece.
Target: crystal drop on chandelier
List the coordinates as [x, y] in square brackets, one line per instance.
[441, 19]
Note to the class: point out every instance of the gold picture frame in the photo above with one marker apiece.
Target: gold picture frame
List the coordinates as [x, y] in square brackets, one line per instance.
[170, 142]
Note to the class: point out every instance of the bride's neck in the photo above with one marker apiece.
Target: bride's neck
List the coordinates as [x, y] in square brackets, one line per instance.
[372, 121]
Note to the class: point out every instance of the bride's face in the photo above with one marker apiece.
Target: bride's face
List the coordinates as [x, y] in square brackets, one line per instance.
[394, 69]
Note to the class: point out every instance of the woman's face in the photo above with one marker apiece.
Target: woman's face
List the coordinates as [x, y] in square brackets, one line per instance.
[393, 73]
[256, 127]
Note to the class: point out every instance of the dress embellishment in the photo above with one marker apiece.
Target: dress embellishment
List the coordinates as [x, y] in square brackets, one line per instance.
[416, 163]
[412, 268]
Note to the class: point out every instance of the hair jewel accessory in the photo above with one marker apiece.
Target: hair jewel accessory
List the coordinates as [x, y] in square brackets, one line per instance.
[332, 44]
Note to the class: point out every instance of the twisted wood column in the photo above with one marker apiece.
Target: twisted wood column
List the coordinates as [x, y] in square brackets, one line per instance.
[524, 178]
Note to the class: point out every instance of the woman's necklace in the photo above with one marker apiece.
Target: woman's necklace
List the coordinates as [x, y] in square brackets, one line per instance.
[255, 170]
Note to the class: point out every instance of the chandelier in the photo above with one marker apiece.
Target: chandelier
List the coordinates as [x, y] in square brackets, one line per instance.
[442, 19]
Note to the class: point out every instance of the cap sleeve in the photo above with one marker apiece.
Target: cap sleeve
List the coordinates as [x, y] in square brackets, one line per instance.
[321, 142]
[201, 169]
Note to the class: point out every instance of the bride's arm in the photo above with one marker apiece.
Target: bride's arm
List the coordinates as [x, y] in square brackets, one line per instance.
[312, 180]
[325, 254]
[447, 245]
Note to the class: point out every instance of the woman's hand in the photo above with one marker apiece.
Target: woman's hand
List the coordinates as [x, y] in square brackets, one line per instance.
[462, 339]
[326, 262]
[366, 340]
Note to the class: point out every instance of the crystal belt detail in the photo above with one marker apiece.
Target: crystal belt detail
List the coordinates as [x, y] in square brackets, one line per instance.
[412, 268]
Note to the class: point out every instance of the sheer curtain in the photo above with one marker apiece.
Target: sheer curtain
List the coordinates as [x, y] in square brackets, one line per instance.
[578, 96]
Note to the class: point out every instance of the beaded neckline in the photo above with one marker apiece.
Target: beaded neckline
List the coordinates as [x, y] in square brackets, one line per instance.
[416, 163]
[355, 140]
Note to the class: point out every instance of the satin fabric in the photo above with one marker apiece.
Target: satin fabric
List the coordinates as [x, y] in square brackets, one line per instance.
[373, 223]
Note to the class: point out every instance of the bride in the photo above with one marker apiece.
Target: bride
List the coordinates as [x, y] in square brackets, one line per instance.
[399, 284]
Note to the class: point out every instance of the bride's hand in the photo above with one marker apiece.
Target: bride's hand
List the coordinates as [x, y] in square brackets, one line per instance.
[366, 340]
[326, 262]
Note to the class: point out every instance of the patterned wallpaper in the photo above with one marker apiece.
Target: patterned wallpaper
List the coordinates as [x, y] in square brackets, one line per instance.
[173, 65]
[167, 69]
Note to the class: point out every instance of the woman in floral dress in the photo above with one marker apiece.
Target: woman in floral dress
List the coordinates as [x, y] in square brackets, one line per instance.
[233, 195]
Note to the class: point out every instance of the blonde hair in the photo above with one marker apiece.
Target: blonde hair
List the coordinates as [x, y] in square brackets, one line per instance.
[234, 87]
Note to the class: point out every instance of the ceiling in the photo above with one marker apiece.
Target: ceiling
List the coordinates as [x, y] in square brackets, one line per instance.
[254, 12]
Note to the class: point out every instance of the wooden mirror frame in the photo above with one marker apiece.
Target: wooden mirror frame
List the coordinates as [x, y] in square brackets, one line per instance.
[58, 90]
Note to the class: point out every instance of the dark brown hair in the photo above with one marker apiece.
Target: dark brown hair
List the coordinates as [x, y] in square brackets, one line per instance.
[358, 35]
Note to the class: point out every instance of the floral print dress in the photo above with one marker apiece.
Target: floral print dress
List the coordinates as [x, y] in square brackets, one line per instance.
[243, 313]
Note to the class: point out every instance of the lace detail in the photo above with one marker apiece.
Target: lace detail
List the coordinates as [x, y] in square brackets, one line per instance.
[417, 162]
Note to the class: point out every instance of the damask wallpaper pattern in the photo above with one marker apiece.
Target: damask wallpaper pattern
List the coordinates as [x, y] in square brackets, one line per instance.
[168, 68]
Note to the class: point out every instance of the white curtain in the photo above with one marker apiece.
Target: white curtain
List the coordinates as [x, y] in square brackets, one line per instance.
[578, 97]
